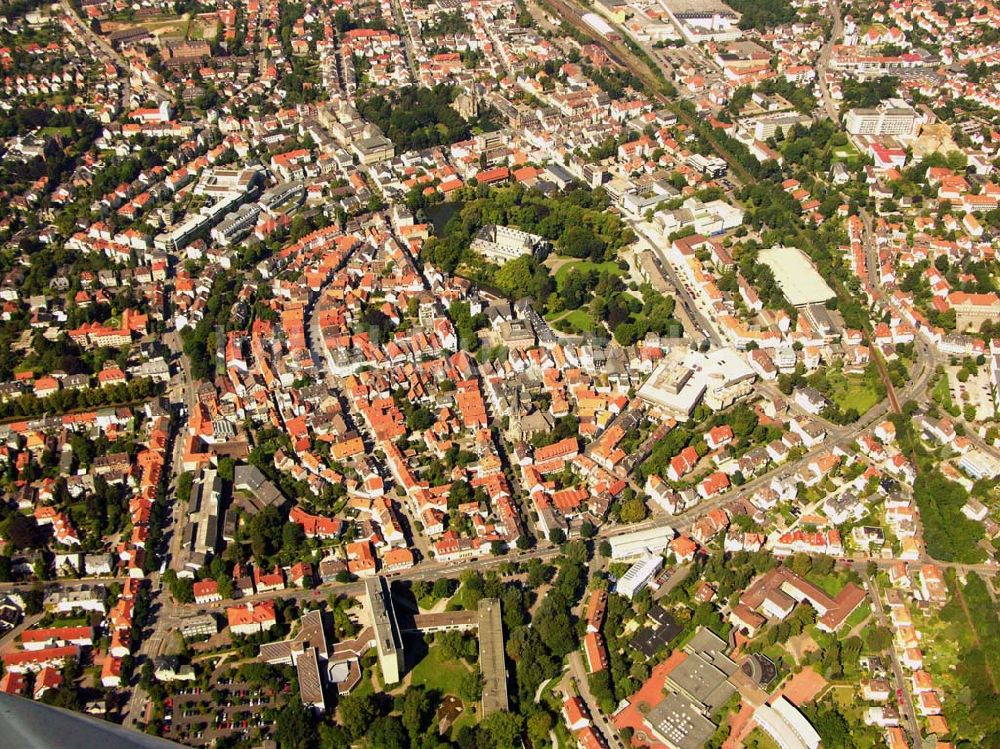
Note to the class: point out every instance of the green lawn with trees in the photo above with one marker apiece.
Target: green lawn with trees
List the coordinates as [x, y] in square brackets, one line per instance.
[440, 672]
[852, 391]
[587, 294]
[964, 649]
[585, 266]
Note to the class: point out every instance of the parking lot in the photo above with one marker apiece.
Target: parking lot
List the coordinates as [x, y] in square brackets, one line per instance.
[201, 717]
[976, 392]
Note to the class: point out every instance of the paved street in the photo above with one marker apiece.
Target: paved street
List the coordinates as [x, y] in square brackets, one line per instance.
[906, 708]
[688, 306]
[823, 62]
[578, 671]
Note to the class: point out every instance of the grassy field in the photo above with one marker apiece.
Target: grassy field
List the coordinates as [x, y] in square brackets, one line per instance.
[467, 718]
[941, 394]
[175, 27]
[860, 614]
[851, 391]
[585, 265]
[830, 584]
[435, 672]
[846, 153]
[576, 319]
[842, 694]
[780, 656]
[199, 30]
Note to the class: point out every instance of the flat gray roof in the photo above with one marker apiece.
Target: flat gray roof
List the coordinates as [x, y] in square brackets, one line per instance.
[702, 680]
[679, 723]
[492, 662]
[383, 616]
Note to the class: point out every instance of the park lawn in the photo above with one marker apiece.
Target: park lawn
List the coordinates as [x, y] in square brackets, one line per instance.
[608, 266]
[435, 672]
[780, 656]
[851, 391]
[941, 392]
[366, 686]
[843, 695]
[846, 153]
[427, 602]
[577, 319]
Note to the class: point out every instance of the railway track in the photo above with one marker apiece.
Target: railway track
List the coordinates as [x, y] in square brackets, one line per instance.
[625, 59]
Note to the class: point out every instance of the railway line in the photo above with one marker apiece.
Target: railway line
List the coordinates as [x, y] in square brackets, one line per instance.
[625, 59]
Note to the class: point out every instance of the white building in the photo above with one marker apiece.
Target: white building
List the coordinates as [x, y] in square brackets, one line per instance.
[798, 280]
[638, 575]
[892, 117]
[980, 465]
[499, 244]
[720, 377]
[711, 218]
[640, 543]
[786, 725]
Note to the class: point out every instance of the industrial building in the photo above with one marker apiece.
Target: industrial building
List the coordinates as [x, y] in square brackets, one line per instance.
[704, 20]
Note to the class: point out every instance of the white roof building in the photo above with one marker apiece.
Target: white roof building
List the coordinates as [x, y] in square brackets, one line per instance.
[786, 725]
[678, 386]
[795, 275]
[638, 575]
[639, 543]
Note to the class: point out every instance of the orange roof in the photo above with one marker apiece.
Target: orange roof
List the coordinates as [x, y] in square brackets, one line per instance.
[260, 613]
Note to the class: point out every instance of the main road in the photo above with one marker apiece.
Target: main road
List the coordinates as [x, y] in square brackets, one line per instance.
[823, 62]
[162, 605]
[689, 305]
